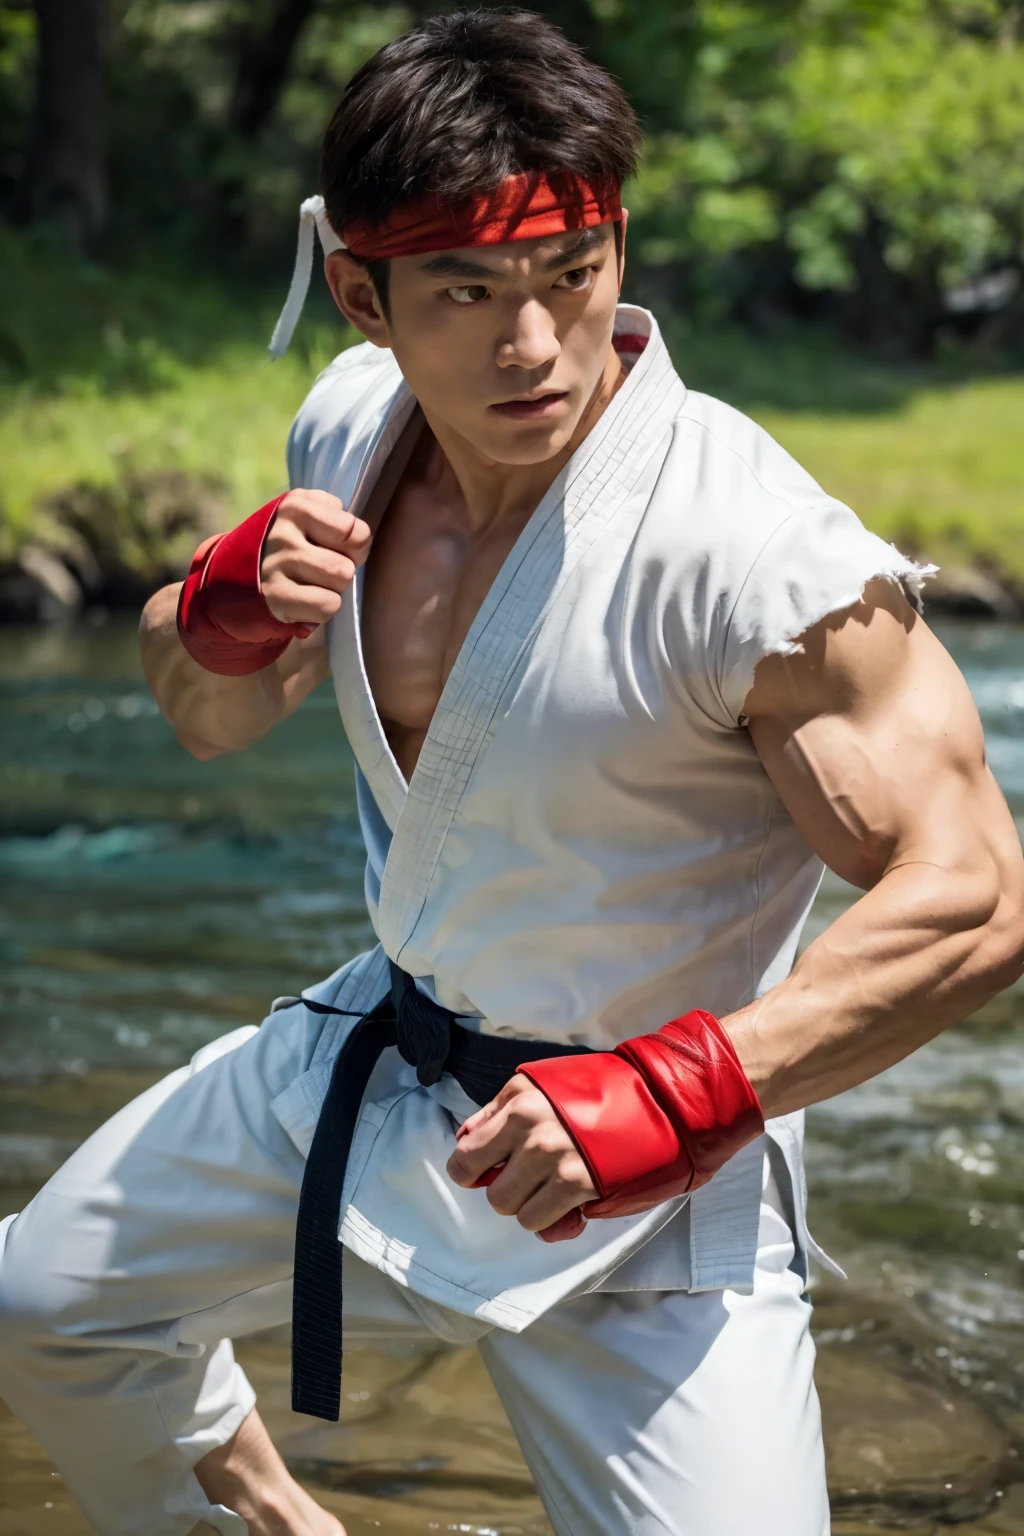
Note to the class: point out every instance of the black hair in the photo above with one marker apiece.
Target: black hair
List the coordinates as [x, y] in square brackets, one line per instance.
[460, 102]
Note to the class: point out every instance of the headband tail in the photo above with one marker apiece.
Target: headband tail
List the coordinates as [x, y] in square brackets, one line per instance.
[311, 215]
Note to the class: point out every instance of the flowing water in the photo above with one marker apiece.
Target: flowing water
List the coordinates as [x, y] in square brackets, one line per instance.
[149, 903]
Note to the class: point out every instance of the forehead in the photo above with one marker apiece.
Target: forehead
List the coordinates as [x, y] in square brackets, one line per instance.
[513, 259]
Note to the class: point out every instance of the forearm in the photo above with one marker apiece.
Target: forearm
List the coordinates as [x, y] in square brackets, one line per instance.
[212, 714]
[914, 955]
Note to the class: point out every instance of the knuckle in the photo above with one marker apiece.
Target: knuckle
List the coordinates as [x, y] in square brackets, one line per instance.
[293, 509]
[524, 1108]
[543, 1145]
[520, 1127]
[339, 521]
[334, 511]
[282, 541]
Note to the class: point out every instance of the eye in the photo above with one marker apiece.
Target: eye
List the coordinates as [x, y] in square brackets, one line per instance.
[576, 280]
[471, 295]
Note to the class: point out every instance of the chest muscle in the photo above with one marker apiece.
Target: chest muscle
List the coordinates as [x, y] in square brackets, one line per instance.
[426, 578]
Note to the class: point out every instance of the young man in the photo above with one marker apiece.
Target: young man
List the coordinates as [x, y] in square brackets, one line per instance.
[618, 678]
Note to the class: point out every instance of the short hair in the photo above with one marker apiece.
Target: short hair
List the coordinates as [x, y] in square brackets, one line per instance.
[460, 102]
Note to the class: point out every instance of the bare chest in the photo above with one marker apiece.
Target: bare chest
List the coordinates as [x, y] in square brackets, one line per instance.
[426, 578]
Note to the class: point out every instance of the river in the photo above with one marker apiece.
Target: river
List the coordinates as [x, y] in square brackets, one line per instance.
[139, 892]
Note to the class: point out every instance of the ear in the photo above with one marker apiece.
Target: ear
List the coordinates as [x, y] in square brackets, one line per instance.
[354, 294]
[622, 247]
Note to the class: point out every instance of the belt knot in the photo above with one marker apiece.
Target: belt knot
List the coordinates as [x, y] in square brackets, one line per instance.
[422, 1027]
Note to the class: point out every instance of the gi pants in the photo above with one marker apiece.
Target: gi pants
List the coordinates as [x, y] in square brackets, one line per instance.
[171, 1231]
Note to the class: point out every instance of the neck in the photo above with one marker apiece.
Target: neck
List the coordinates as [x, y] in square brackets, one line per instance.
[493, 492]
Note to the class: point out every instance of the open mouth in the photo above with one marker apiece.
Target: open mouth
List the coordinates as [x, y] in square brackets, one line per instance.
[531, 410]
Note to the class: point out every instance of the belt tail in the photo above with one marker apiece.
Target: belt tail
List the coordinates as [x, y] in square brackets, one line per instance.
[317, 1293]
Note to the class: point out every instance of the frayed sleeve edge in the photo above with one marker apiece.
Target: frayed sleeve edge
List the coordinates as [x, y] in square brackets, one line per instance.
[889, 565]
[909, 574]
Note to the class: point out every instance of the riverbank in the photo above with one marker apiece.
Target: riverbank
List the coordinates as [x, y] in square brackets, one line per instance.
[138, 411]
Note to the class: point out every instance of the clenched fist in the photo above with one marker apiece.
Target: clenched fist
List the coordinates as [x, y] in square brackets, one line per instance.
[310, 556]
[518, 1147]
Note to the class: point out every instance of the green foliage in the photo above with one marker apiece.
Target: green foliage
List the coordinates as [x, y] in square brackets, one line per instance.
[873, 153]
[844, 162]
[849, 160]
[922, 130]
[177, 62]
[17, 52]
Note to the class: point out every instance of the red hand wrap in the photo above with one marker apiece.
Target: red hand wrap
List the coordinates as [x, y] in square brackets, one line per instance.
[654, 1118]
[223, 618]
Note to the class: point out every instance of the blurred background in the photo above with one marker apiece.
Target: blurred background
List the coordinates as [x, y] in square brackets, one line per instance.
[829, 223]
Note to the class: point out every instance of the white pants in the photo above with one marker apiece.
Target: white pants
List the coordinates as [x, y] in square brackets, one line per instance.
[170, 1232]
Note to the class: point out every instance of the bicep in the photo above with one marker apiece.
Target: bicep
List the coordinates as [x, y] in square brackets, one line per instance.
[873, 743]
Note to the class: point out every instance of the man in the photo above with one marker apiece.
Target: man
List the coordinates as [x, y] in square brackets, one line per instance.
[618, 677]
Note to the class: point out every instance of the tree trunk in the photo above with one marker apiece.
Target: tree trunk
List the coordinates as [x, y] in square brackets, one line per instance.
[264, 62]
[64, 178]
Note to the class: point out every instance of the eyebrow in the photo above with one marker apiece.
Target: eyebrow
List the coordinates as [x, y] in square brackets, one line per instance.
[444, 265]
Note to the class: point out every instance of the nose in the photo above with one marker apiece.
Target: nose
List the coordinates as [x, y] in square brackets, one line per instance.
[531, 341]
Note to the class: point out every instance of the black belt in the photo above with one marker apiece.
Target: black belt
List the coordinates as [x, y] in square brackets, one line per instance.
[429, 1038]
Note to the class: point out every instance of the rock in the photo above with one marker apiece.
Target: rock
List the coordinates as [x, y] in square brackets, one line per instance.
[125, 540]
[110, 546]
[970, 592]
[63, 594]
[1008, 1516]
[38, 589]
[897, 1440]
[858, 1528]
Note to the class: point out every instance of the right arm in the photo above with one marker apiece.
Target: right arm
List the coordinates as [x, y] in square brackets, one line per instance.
[213, 714]
[310, 556]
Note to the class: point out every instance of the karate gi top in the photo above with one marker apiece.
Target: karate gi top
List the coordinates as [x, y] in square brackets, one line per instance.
[589, 845]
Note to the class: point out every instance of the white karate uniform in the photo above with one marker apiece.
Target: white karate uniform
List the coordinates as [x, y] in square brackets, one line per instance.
[588, 846]
[648, 1412]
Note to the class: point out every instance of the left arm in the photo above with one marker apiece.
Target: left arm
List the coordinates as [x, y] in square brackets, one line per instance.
[873, 743]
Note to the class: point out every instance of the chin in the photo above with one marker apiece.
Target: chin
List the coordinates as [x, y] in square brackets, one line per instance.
[525, 444]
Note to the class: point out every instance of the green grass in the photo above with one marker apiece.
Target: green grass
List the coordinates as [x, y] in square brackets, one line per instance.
[227, 417]
[943, 473]
[930, 456]
[99, 369]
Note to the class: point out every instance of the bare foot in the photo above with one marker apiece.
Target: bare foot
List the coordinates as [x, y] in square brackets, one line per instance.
[248, 1476]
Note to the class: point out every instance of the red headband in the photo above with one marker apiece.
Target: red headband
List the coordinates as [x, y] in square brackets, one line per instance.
[523, 207]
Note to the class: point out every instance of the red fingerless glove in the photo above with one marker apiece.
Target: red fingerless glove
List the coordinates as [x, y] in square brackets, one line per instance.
[223, 618]
[654, 1118]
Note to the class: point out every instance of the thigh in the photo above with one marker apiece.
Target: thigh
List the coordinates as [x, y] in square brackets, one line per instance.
[184, 1201]
[670, 1414]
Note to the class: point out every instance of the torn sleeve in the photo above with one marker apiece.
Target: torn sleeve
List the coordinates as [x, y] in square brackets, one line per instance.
[818, 561]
